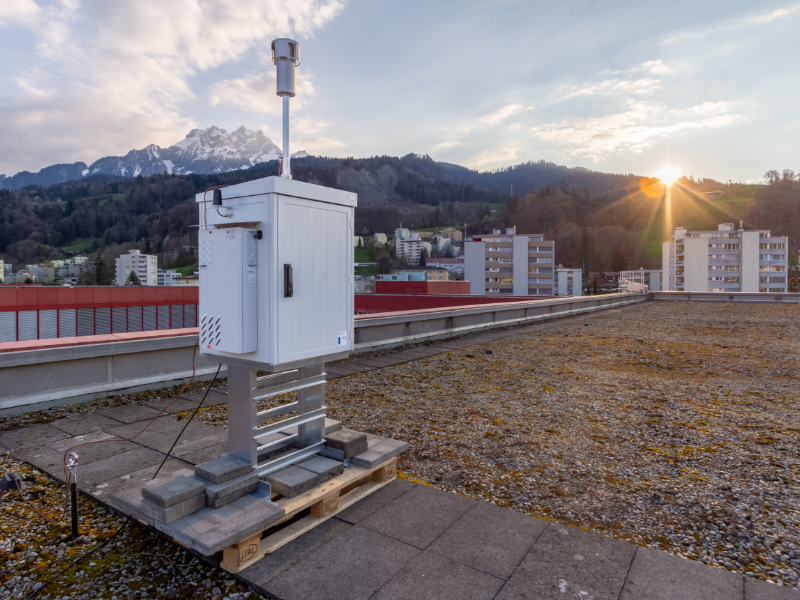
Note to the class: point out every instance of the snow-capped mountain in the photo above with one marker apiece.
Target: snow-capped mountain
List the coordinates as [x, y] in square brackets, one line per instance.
[211, 150]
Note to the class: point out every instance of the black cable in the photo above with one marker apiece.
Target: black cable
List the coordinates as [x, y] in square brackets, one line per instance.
[127, 520]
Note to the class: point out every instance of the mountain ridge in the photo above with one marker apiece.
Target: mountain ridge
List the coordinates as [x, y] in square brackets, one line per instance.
[207, 151]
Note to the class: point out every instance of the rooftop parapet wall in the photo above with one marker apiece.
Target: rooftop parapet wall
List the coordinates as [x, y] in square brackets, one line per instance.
[49, 298]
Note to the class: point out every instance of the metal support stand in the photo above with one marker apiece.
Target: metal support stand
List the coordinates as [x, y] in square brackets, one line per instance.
[73, 491]
[248, 441]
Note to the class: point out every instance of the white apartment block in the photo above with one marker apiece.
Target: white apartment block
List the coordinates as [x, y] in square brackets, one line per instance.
[510, 263]
[649, 277]
[144, 265]
[410, 249]
[401, 232]
[569, 282]
[168, 277]
[726, 260]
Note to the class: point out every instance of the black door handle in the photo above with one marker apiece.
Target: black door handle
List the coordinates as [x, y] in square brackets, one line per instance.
[288, 286]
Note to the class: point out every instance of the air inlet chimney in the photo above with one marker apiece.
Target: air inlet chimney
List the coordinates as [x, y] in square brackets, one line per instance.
[286, 56]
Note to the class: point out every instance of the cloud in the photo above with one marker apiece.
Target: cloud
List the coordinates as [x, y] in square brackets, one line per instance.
[775, 14]
[658, 67]
[632, 130]
[615, 86]
[256, 92]
[501, 115]
[116, 75]
[489, 158]
[445, 145]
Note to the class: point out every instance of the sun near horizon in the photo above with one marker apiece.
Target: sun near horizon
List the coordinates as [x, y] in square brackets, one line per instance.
[668, 175]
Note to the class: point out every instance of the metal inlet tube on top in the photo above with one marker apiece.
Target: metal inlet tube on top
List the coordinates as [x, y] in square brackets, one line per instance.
[285, 56]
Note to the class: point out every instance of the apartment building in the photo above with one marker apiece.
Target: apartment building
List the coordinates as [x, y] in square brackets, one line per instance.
[510, 263]
[410, 249]
[380, 239]
[167, 277]
[726, 260]
[144, 265]
[452, 234]
[423, 235]
[649, 277]
[569, 282]
[401, 232]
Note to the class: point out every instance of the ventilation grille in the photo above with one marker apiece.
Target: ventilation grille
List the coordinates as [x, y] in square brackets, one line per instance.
[210, 331]
[205, 253]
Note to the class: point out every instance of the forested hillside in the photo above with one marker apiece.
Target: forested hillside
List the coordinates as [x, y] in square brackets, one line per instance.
[599, 221]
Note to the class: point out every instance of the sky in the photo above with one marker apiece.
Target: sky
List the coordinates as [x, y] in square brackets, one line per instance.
[710, 88]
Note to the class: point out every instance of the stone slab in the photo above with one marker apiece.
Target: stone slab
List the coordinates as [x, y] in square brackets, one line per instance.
[490, 539]
[353, 566]
[107, 489]
[375, 501]
[162, 432]
[220, 501]
[172, 406]
[210, 530]
[660, 576]
[133, 413]
[84, 424]
[88, 454]
[178, 490]
[284, 558]
[71, 442]
[129, 500]
[419, 516]
[223, 469]
[432, 577]
[347, 441]
[204, 454]
[755, 589]
[173, 513]
[379, 449]
[293, 481]
[331, 426]
[325, 468]
[118, 465]
[31, 437]
[567, 562]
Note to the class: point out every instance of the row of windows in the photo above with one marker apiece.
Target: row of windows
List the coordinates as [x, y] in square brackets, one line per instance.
[772, 279]
[723, 268]
[502, 280]
[725, 279]
[775, 268]
[726, 246]
[498, 249]
[772, 246]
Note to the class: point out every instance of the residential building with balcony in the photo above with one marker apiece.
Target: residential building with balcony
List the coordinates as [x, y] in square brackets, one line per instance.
[511, 263]
[452, 234]
[726, 260]
[144, 265]
[568, 282]
[410, 249]
[401, 232]
[167, 277]
[380, 239]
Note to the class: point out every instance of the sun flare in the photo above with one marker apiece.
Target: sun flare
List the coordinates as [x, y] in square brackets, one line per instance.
[668, 175]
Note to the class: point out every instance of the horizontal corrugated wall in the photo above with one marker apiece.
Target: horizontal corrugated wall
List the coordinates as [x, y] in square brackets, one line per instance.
[27, 325]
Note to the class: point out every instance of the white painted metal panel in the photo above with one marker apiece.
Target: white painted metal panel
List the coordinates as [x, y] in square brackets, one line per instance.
[314, 238]
[134, 318]
[48, 324]
[119, 319]
[28, 321]
[149, 318]
[67, 322]
[163, 316]
[102, 321]
[8, 326]
[85, 321]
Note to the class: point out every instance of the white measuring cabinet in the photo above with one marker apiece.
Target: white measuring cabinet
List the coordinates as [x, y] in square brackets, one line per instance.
[276, 273]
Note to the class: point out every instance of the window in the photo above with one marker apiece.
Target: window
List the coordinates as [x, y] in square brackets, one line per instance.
[772, 257]
[726, 246]
[772, 246]
[715, 267]
[731, 280]
[772, 279]
[771, 268]
[716, 278]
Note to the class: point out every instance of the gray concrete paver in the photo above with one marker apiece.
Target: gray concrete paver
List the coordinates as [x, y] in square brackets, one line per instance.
[28, 438]
[571, 564]
[419, 516]
[432, 577]
[755, 589]
[657, 575]
[205, 453]
[263, 571]
[490, 539]
[162, 432]
[131, 413]
[171, 405]
[84, 424]
[375, 501]
[105, 469]
[352, 566]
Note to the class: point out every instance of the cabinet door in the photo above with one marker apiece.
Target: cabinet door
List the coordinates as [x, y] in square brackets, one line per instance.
[315, 239]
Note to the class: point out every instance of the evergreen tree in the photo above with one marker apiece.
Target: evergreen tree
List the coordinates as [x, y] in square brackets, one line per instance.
[148, 249]
[133, 279]
[423, 257]
[99, 269]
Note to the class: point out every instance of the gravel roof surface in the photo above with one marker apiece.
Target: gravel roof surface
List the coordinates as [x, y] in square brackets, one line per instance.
[670, 425]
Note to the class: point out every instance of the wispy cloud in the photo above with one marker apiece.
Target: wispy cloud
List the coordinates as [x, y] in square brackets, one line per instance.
[775, 14]
[501, 115]
[256, 92]
[445, 145]
[615, 86]
[490, 158]
[658, 67]
[632, 130]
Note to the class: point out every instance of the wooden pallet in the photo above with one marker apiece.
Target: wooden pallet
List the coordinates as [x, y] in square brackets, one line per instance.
[325, 501]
